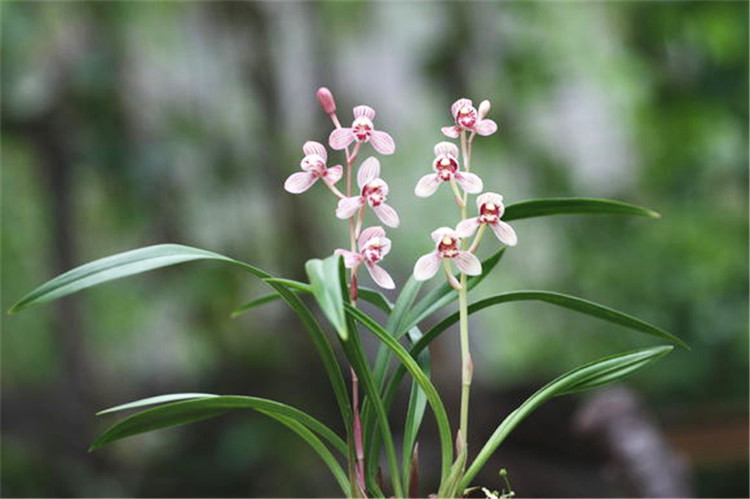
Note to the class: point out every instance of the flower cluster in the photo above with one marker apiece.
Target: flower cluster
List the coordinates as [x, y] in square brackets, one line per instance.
[449, 245]
[369, 245]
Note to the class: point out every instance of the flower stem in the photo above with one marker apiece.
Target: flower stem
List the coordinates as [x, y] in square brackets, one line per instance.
[467, 366]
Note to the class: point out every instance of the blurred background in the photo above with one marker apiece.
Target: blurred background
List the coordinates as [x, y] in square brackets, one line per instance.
[129, 124]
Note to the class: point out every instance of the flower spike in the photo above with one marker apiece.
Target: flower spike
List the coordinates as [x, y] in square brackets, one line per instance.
[362, 130]
[373, 191]
[373, 246]
[468, 118]
[491, 209]
[447, 246]
[314, 167]
[446, 169]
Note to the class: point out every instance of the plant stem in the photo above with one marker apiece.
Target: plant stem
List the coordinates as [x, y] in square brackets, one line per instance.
[467, 366]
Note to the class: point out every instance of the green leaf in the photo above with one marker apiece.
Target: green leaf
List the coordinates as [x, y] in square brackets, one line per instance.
[202, 406]
[604, 370]
[160, 399]
[561, 300]
[446, 444]
[121, 265]
[326, 287]
[445, 294]
[570, 206]
[271, 297]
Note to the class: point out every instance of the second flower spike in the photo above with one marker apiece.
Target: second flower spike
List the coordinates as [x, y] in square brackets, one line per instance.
[373, 191]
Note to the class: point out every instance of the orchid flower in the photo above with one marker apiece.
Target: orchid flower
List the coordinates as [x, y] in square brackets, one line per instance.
[491, 209]
[362, 130]
[446, 169]
[373, 246]
[467, 118]
[447, 246]
[314, 167]
[373, 192]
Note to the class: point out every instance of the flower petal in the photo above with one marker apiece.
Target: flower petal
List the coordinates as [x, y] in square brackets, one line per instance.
[451, 131]
[369, 170]
[446, 148]
[299, 182]
[490, 197]
[427, 266]
[312, 147]
[505, 233]
[333, 174]
[382, 142]
[364, 111]
[485, 127]
[349, 206]
[380, 276]
[467, 228]
[369, 233]
[438, 234]
[341, 138]
[468, 263]
[350, 258]
[427, 185]
[459, 104]
[386, 214]
[385, 246]
[469, 182]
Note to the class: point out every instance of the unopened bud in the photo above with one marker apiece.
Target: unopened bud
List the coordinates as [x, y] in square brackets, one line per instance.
[325, 97]
[484, 109]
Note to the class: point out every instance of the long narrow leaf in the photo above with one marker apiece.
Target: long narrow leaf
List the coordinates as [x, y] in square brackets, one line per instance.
[570, 206]
[324, 280]
[199, 408]
[159, 399]
[121, 265]
[411, 365]
[595, 373]
[576, 304]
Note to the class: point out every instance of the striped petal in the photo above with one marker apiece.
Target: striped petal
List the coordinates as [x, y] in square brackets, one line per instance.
[448, 148]
[351, 258]
[468, 263]
[369, 170]
[347, 207]
[333, 174]
[299, 182]
[380, 276]
[469, 182]
[467, 228]
[386, 214]
[364, 112]
[369, 233]
[312, 147]
[427, 185]
[427, 266]
[451, 131]
[341, 138]
[504, 233]
[382, 142]
[485, 127]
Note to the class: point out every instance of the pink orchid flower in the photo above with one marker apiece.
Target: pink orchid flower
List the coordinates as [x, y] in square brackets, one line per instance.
[446, 169]
[362, 130]
[447, 245]
[491, 209]
[314, 166]
[373, 246]
[373, 192]
[467, 118]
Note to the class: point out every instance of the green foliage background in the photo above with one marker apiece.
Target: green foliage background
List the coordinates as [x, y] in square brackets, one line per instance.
[127, 124]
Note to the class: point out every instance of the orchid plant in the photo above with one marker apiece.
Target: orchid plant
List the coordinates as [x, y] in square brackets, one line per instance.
[354, 458]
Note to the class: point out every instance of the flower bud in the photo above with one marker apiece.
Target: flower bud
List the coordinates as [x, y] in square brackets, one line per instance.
[325, 98]
[484, 109]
